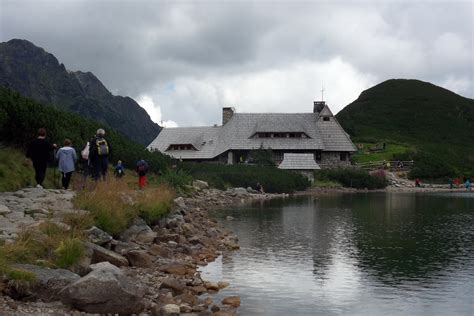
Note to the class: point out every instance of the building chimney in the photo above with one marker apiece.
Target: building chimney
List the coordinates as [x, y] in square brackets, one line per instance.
[227, 114]
[318, 106]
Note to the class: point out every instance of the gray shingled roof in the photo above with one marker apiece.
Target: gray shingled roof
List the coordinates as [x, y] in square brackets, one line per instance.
[298, 162]
[332, 134]
[202, 138]
[237, 134]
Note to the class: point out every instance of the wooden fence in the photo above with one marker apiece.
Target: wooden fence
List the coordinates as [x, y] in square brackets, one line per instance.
[392, 165]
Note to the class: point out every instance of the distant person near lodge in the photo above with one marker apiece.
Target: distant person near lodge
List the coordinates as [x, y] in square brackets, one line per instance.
[67, 158]
[39, 152]
[99, 155]
[468, 184]
[417, 183]
[141, 169]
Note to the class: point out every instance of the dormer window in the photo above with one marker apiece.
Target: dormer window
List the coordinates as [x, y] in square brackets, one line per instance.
[181, 147]
[326, 118]
[280, 135]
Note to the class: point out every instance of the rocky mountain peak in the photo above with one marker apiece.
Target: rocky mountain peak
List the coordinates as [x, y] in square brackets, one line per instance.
[37, 74]
[92, 86]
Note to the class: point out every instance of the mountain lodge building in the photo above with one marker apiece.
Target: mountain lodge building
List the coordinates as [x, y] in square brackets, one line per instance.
[317, 133]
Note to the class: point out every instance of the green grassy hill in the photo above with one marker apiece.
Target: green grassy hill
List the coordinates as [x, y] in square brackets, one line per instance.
[436, 124]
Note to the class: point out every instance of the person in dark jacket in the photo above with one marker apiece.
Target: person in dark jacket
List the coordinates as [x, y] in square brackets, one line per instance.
[99, 155]
[141, 169]
[39, 152]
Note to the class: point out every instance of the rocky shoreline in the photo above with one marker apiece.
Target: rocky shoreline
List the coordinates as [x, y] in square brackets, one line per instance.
[147, 270]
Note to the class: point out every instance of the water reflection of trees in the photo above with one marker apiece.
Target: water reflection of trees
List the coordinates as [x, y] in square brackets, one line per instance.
[393, 237]
[403, 237]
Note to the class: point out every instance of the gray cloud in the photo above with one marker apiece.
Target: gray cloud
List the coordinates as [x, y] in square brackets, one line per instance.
[191, 58]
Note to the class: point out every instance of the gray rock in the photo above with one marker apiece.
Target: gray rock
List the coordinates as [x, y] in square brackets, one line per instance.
[100, 254]
[201, 185]
[139, 232]
[139, 258]
[176, 285]
[36, 210]
[250, 190]
[237, 191]
[179, 201]
[98, 236]
[104, 290]
[4, 209]
[166, 310]
[49, 282]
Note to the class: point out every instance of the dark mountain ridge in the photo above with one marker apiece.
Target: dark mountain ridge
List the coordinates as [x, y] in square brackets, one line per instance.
[37, 74]
[437, 122]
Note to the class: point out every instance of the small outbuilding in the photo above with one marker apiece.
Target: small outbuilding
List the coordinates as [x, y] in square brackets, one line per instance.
[302, 163]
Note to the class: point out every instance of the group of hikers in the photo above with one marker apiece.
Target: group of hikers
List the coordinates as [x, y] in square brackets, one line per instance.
[457, 183]
[94, 160]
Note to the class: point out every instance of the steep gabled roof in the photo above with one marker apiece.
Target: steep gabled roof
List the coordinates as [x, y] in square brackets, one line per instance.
[204, 139]
[298, 162]
[332, 134]
[238, 132]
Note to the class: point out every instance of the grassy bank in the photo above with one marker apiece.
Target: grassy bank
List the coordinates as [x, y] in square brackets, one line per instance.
[16, 172]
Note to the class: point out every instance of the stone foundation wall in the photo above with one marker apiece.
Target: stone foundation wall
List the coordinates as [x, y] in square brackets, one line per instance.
[333, 160]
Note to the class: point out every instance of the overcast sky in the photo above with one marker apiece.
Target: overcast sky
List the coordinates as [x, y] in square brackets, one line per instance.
[185, 60]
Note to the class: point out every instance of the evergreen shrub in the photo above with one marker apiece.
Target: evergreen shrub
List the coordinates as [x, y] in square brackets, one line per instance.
[352, 178]
[273, 180]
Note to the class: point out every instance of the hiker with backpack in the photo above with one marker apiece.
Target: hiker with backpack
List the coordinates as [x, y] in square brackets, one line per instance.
[67, 158]
[39, 152]
[141, 169]
[99, 151]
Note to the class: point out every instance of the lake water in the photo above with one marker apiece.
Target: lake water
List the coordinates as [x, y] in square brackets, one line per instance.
[352, 254]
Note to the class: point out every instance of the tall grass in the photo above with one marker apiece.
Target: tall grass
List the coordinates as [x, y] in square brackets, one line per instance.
[49, 244]
[108, 206]
[153, 204]
[114, 205]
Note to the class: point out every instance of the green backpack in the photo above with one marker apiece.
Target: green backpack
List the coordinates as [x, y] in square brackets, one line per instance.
[102, 147]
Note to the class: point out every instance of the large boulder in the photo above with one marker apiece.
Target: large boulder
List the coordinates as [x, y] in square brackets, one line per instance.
[200, 185]
[98, 236]
[177, 286]
[4, 209]
[139, 232]
[100, 254]
[238, 191]
[166, 310]
[233, 301]
[48, 282]
[175, 268]
[139, 258]
[104, 290]
[179, 202]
